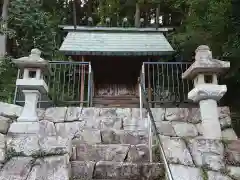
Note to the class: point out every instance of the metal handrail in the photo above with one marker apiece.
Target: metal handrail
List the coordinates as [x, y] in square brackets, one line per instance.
[169, 174]
[66, 78]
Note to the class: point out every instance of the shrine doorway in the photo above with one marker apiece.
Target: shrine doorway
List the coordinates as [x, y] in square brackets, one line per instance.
[116, 81]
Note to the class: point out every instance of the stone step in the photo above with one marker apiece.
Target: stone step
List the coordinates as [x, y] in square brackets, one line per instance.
[133, 137]
[126, 102]
[110, 152]
[116, 170]
[108, 136]
[112, 105]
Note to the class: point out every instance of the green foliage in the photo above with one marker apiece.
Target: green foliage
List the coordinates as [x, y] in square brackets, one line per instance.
[33, 27]
[205, 22]
[34, 24]
[204, 173]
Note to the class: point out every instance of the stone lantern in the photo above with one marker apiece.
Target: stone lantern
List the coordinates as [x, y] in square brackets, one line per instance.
[204, 71]
[31, 83]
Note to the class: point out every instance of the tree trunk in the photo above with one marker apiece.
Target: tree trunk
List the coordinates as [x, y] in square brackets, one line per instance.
[157, 15]
[90, 6]
[74, 14]
[137, 15]
[3, 37]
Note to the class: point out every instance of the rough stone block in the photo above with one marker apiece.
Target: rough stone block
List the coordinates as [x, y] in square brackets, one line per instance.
[18, 168]
[224, 117]
[55, 114]
[93, 123]
[135, 124]
[2, 155]
[234, 172]
[158, 114]
[176, 151]
[136, 113]
[90, 136]
[176, 114]
[233, 152]
[124, 112]
[165, 128]
[124, 137]
[114, 170]
[51, 168]
[194, 115]
[229, 134]
[2, 148]
[22, 145]
[33, 145]
[69, 129]
[108, 112]
[199, 128]
[109, 136]
[110, 152]
[82, 169]
[207, 152]
[80, 113]
[4, 124]
[55, 145]
[180, 172]
[138, 153]
[2, 141]
[185, 129]
[212, 175]
[10, 110]
[40, 113]
[213, 162]
[73, 114]
[42, 128]
[109, 122]
[133, 137]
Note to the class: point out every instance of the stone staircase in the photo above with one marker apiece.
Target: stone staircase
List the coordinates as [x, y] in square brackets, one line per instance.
[120, 152]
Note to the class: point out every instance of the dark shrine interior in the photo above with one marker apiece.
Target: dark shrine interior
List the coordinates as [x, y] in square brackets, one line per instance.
[116, 69]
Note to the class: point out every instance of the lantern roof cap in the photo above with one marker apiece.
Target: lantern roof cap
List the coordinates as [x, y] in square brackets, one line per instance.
[205, 64]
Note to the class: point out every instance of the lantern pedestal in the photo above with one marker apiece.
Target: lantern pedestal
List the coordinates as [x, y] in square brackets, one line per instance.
[29, 113]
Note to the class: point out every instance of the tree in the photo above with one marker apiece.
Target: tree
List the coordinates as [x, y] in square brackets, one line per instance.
[3, 36]
[34, 27]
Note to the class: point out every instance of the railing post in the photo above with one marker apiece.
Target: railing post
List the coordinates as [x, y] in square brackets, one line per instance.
[140, 101]
[150, 139]
[89, 83]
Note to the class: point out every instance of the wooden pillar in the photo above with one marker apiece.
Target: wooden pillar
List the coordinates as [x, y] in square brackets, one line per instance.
[149, 83]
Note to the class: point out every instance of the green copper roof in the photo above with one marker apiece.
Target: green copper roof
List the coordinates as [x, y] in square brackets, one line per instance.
[115, 43]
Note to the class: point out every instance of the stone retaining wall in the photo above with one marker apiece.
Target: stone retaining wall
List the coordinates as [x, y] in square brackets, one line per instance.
[191, 156]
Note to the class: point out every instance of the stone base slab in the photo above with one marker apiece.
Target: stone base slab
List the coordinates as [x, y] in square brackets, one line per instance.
[42, 128]
[116, 170]
[33, 145]
[27, 168]
[110, 152]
